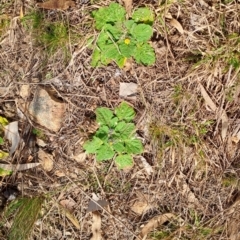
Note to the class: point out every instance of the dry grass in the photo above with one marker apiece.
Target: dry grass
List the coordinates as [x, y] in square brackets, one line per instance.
[196, 171]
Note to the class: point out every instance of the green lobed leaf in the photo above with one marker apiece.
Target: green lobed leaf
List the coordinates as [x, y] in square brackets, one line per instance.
[145, 54]
[113, 122]
[116, 12]
[142, 32]
[102, 133]
[115, 31]
[125, 112]
[143, 15]
[133, 146]
[121, 61]
[124, 161]
[113, 13]
[119, 147]
[3, 154]
[96, 57]
[101, 17]
[3, 121]
[105, 152]
[104, 116]
[92, 146]
[4, 172]
[111, 51]
[1, 140]
[126, 130]
[103, 40]
[129, 24]
[127, 50]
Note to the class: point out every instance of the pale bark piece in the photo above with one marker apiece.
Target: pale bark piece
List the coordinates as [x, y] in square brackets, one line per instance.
[224, 119]
[128, 6]
[18, 167]
[46, 160]
[212, 105]
[47, 111]
[128, 90]
[154, 223]
[96, 226]
[207, 99]
[175, 23]
[12, 135]
[56, 4]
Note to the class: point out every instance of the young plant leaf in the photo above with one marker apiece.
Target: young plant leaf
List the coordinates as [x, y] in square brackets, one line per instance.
[113, 13]
[104, 116]
[3, 154]
[143, 15]
[121, 61]
[105, 152]
[130, 24]
[116, 13]
[142, 32]
[102, 133]
[125, 112]
[119, 147]
[3, 121]
[124, 161]
[102, 40]
[96, 57]
[126, 130]
[92, 146]
[144, 54]
[127, 50]
[1, 140]
[4, 172]
[115, 31]
[113, 122]
[111, 51]
[133, 146]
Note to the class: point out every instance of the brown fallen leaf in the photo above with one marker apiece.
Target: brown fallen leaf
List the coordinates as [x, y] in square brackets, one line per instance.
[56, 4]
[207, 98]
[213, 106]
[154, 223]
[68, 204]
[175, 23]
[96, 205]
[140, 207]
[46, 160]
[69, 216]
[80, 158]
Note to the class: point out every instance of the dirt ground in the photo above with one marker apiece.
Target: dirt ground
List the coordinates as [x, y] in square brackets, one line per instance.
[186, 183]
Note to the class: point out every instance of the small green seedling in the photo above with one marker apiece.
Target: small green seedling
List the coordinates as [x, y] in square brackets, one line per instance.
[121, 39]
[115, 137]
[3, 123]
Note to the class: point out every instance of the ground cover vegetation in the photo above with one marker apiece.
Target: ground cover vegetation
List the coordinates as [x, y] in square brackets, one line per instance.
[160, 162]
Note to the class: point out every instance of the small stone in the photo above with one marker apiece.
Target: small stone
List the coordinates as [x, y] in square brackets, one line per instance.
[47, 111]
[128, 90]
[24, 91]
